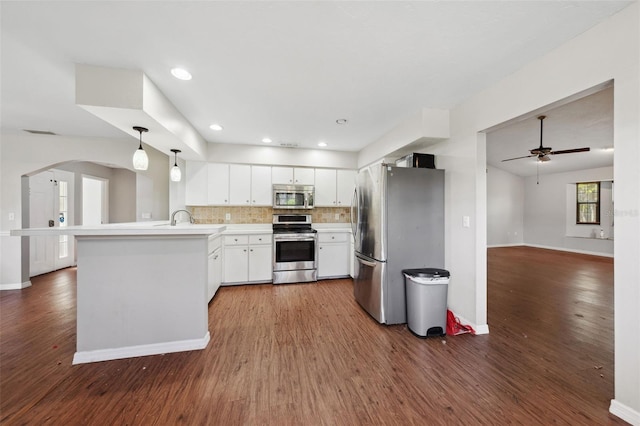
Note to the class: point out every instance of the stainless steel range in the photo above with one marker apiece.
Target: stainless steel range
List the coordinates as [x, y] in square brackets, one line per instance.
[294, 249]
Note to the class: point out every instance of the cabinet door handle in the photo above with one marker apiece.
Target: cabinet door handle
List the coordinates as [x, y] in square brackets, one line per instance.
[250, 249]
[245, 250]
[333, 238]
[215, 257]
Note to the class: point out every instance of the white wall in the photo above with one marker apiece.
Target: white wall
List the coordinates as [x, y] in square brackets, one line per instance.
[505, 208]
[279, 156]
[609, 51]
[122, 189]
[548, 222]
[24, 154]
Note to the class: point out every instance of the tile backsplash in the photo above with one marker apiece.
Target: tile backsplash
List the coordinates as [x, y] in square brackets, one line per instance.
[216, 214]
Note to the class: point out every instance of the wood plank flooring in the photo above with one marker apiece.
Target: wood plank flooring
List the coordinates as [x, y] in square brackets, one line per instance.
[307, 354]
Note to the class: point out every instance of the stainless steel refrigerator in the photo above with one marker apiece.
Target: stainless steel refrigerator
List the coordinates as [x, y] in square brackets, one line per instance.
[398, 223]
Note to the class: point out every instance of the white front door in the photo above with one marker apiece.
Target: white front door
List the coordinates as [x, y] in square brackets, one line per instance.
[50, 205]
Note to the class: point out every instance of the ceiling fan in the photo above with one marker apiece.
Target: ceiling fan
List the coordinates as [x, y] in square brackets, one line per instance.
[543, 152]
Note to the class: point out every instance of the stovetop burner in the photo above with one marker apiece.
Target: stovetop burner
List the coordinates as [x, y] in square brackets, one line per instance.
[292, 224]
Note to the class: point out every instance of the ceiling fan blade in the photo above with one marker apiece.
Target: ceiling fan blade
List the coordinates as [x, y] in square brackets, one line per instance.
[570, 151]
[517, 158]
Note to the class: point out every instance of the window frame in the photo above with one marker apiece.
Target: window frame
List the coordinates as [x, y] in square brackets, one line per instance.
[596, 203]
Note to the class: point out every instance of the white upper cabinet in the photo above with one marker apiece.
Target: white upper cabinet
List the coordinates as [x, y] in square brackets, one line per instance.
[218, 183]
[345, 185]
[239, 185]
[292, 175]
[221, 184]
[303, 176]
[196, 183]
[325, 188]
[334, 188]
[282, 175]
[261, 186]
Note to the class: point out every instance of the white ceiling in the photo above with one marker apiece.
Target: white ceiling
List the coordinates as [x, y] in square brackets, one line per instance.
[286, 70]
[586, 122]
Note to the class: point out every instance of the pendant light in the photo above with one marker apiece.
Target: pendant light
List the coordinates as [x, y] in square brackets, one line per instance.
[176, 174]
[140, 158]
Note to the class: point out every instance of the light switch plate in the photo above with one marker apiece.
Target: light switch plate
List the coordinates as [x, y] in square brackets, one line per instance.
[466, 221]
[12, 216]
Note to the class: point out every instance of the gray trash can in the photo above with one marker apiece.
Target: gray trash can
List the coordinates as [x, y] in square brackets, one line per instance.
[426, 292]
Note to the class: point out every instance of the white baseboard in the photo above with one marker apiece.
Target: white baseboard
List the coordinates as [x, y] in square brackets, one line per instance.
[141, 350]
[16, 286]
[626, 413]
[479, 328]
[592, 253]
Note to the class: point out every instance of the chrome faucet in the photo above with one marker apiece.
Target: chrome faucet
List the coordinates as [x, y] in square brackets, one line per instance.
[173, 216]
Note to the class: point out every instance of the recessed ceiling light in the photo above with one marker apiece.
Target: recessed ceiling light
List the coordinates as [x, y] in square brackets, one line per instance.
[216, 127]
[181, 74]
[341, 121]
[266, 140]
[322, 144]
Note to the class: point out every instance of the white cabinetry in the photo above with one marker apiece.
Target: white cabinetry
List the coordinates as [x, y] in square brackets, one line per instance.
[333, 254]
[239, 184]
[293, 175]
[345, 184]
[218, 183]
[214, 276]
[196, 183]
[334, 188]
[247, 258]
[325, 188]
[261, 186]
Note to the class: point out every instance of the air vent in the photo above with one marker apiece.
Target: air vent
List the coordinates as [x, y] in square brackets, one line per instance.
[40, 132]
[289, 145]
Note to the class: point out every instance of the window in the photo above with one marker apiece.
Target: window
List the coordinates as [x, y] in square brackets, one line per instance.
[588, 203]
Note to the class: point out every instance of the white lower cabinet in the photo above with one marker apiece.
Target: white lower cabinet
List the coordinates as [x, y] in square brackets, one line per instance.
[214, 275]
[247, 258]
[333, 254]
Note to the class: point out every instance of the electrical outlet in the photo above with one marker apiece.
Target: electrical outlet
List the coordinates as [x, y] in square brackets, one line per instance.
[12, 216]
[146, 215]
[227, 216]
[466, 221]
[337, 216]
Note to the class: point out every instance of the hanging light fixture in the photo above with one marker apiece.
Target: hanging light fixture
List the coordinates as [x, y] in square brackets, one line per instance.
[176, 174]
[140, 158]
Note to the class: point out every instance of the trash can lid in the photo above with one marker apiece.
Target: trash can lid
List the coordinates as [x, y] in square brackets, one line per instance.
[427, 272]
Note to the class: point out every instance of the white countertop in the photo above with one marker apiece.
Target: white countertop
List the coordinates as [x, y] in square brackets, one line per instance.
[163, 228]
[332, 227]
[131, 228]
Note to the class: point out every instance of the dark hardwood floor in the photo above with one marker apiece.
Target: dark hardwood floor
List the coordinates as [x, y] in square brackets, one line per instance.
[308, 354]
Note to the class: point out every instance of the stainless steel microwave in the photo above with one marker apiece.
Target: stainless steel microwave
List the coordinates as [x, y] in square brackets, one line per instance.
[293, 196]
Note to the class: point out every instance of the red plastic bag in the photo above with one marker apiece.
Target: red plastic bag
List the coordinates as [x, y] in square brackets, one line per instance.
[455, 327]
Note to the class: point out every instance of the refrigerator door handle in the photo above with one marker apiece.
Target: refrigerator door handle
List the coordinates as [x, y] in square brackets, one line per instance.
[354, 201]
[366, 262]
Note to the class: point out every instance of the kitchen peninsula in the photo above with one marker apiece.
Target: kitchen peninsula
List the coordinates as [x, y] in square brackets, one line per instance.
[142, 287]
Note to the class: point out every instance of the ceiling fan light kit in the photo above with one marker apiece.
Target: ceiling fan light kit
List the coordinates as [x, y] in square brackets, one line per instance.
[543, 152]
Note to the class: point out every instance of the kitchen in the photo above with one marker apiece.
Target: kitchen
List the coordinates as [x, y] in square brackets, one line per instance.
[524, 91]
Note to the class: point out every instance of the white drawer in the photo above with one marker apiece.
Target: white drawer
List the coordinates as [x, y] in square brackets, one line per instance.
[214, 243]
[260, 239]
[234, 240]
[333, 237]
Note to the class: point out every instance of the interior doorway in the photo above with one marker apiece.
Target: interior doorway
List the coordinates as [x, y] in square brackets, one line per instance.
[50, 205]
[95, 200]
